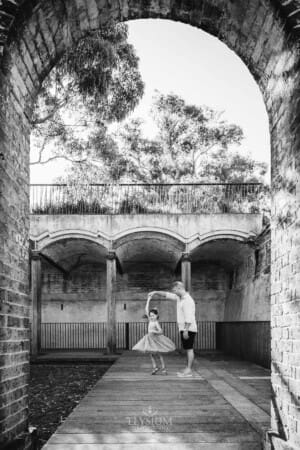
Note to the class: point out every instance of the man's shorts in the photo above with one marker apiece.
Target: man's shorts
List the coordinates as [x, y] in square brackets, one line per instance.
[188, 344]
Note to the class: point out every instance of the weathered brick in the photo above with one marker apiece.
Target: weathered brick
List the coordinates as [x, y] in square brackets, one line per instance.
[44, 37]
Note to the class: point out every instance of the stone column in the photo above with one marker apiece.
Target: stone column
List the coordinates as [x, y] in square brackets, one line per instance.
[111, 277]
[36, 291]
[186, 272]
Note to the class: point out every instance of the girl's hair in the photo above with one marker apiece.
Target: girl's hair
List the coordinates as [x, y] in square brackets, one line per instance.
[177, 284]
[154, 311]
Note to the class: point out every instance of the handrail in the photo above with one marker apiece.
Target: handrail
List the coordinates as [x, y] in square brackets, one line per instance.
[149, 184]
[145, 198]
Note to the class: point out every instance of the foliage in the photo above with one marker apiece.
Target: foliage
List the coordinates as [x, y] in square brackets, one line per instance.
[193, 144]
[95, 82]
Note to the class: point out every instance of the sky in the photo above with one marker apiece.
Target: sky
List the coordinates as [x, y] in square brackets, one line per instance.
[184, 60]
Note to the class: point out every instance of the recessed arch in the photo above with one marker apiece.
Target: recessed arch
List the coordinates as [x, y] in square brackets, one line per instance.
[70, 252]
[227, 252]
[149, 245]
[200, 239]
[45, 239]
[141, 232]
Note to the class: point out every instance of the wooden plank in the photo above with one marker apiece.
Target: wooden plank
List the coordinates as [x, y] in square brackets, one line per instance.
[146, 446]
[130, 409]
[128, 438]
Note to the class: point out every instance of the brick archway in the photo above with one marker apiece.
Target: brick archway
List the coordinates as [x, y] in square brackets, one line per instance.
[33, 36]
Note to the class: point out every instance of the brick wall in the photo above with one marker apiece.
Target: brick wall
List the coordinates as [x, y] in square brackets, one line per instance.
[14, 300]
[258, 34]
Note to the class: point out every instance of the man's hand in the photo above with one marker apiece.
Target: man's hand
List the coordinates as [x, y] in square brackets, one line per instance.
[185, 334]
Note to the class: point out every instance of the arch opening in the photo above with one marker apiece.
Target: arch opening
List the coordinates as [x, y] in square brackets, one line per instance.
[228, 282]
[258, 35]
[149, 260]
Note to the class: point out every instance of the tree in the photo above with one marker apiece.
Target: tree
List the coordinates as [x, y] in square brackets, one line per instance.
[193, 144]
[187, 132]
[227, 166]
[95, 82]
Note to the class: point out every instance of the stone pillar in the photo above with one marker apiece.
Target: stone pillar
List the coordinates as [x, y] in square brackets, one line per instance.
[186, 271]
[111, 276]
[36, 295]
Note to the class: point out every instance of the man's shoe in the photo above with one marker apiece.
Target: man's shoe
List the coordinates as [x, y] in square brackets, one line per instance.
[185, 374]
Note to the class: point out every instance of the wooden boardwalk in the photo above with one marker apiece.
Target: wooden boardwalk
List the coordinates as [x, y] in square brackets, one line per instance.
[224, 406]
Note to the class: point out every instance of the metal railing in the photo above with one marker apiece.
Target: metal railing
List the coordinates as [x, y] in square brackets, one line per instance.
[249, 340]
[92, 335]
[146, 198]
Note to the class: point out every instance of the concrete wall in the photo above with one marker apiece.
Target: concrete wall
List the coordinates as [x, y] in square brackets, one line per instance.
[210, 285]
[82, 297]
[79, 298]
[187, 227]
[250, 296]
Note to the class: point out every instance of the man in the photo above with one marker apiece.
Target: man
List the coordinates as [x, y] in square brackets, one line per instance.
[186, 321]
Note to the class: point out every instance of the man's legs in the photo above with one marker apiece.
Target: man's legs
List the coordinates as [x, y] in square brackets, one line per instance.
[190, 359]
[188, 346]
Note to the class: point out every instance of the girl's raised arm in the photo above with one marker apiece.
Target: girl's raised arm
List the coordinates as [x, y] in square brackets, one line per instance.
[147, 305]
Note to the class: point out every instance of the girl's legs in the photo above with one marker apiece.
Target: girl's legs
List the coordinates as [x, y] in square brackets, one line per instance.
[162, 362]
[154, 365]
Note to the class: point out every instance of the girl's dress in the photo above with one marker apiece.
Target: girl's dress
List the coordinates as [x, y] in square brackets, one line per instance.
[154, 343]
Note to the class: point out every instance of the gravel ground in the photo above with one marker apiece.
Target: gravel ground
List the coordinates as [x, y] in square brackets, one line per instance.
[55, 389]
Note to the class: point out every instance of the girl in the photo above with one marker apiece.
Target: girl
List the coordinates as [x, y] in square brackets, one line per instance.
[154, 342]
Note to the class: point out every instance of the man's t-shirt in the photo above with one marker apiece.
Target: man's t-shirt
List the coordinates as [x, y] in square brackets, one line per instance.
[186, 312]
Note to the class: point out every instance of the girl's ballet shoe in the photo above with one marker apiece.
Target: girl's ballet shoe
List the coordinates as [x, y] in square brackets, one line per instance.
[154, 371]
[164, 371]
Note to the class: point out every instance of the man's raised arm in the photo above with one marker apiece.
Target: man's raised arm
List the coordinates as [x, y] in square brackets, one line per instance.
[163, 295]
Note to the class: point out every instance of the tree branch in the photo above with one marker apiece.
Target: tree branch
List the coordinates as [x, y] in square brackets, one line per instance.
[52, 158]
[44, 119]
[198, 154]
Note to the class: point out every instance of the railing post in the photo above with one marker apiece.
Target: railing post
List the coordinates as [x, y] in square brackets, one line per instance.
[127, 336]
[36, 291]
[111, 276]
[218, 335]
[186, 271]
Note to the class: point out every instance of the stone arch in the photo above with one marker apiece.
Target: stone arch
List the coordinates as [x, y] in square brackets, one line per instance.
[264, 35]
[147, 232]
[46, 31]
[156, 246]
[200, 239]
[45, 239]
[70, 251]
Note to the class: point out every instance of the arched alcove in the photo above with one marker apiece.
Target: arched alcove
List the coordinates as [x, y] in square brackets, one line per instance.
[227, 283]
[149, 260]
[73, 281]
